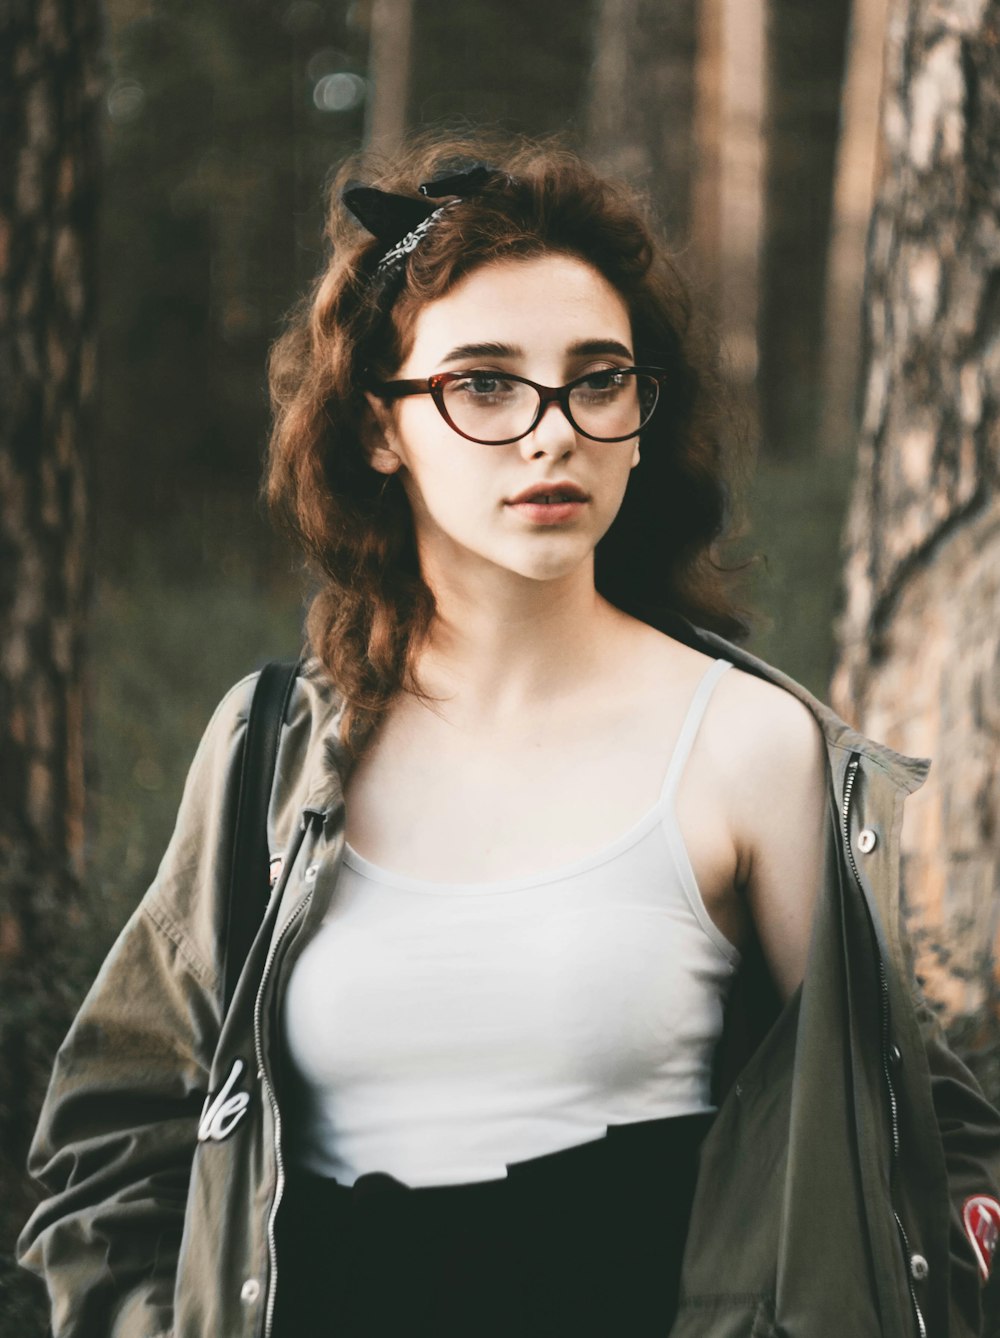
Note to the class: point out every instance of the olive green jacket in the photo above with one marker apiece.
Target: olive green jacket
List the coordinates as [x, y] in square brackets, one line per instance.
[833, 1184]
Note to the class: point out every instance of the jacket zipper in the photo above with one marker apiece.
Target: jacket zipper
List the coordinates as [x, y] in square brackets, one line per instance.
[258, 1042]
[852, 771]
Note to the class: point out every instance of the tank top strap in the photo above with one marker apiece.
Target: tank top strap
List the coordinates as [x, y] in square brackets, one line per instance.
[689, 726]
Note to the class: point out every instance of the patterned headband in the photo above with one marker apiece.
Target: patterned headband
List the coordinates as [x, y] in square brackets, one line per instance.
[401, 222]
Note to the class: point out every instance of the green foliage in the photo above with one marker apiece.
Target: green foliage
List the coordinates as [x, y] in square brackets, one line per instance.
[166, 645]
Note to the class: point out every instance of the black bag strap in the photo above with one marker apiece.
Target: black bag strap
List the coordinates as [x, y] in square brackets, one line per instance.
[249, 874]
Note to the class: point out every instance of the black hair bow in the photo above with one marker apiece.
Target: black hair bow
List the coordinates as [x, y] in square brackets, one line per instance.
[399, 220]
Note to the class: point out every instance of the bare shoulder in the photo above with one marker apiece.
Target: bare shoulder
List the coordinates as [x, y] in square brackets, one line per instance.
[767, 725]
[765, 744]
[753, 728]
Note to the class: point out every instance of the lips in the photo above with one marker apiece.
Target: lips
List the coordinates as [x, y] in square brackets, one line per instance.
[548, 505]
[547, 494]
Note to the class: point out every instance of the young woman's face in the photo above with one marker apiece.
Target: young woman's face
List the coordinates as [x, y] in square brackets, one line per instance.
[552, 319]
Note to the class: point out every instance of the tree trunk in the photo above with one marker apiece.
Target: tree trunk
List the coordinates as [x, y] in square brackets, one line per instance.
[48, 125]
[919, 661]
[852, 207]
[805, 69]
[642, 106]
[708, 135]
[389, 72]
[741, 47]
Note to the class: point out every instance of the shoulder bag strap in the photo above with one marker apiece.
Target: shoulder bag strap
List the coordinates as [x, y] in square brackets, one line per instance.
[249, 881]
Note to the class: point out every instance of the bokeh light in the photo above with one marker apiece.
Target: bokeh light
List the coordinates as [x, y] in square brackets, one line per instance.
[340, 92]
[125, 101]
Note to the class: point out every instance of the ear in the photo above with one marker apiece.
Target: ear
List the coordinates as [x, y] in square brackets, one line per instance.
[380, 436]
[384, 460]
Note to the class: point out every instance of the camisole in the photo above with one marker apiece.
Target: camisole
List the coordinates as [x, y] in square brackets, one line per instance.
[439, 1031]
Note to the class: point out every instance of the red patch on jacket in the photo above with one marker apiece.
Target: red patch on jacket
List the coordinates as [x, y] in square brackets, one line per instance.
[981, 1216]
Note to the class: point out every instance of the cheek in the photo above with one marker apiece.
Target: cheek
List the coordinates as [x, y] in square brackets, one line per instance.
[450, 484]
[621, 471]
[614, 494]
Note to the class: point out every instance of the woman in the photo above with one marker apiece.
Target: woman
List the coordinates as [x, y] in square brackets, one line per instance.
[582, 958]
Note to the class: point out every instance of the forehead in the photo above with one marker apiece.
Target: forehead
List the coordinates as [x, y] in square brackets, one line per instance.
[544, 299]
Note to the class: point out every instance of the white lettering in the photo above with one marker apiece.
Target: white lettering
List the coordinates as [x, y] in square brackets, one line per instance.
[222, 1113]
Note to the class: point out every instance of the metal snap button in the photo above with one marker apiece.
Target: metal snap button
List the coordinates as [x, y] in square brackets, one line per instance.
[919, 1267]
[311, 872]
[867, 840]
[250, 1291]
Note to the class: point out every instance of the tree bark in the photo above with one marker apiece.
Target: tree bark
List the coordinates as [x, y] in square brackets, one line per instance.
[805, 70]
[919, 636]
[48, 126]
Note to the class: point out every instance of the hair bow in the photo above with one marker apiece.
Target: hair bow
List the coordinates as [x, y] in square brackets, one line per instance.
[400, 221]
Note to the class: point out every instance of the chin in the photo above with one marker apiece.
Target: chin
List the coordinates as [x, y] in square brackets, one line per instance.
[542, 558]
[558, 554]
[554, 567]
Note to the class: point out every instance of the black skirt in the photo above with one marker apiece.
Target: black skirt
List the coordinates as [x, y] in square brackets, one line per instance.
[583, 1242]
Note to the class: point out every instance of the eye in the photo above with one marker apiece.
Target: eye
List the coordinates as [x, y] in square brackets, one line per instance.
[483, 385]
[603, 382]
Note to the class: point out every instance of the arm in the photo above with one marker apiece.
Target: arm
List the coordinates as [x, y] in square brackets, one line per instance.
[780, 808]
[118, 1127]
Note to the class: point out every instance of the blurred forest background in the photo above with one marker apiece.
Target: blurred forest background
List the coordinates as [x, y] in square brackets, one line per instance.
[178, 156]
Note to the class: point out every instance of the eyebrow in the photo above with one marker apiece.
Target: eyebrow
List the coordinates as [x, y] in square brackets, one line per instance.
[483, 351]
[584, 348]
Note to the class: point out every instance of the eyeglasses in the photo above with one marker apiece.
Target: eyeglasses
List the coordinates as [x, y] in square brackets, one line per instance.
[497, 408]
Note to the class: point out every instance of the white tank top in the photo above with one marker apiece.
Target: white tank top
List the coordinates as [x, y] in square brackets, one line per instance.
[439, 1031]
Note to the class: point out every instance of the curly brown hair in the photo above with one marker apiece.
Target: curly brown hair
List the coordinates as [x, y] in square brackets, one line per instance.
[373, 609]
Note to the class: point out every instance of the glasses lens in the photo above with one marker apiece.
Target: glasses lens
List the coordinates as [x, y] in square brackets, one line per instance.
[489, 407]
[613, 403]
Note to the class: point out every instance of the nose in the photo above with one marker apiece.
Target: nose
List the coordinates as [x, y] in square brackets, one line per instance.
[552, 435]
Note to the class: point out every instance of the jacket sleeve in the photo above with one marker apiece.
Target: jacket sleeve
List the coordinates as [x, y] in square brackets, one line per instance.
[118, 1127]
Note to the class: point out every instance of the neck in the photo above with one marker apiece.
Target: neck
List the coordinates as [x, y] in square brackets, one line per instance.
[503, 647]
